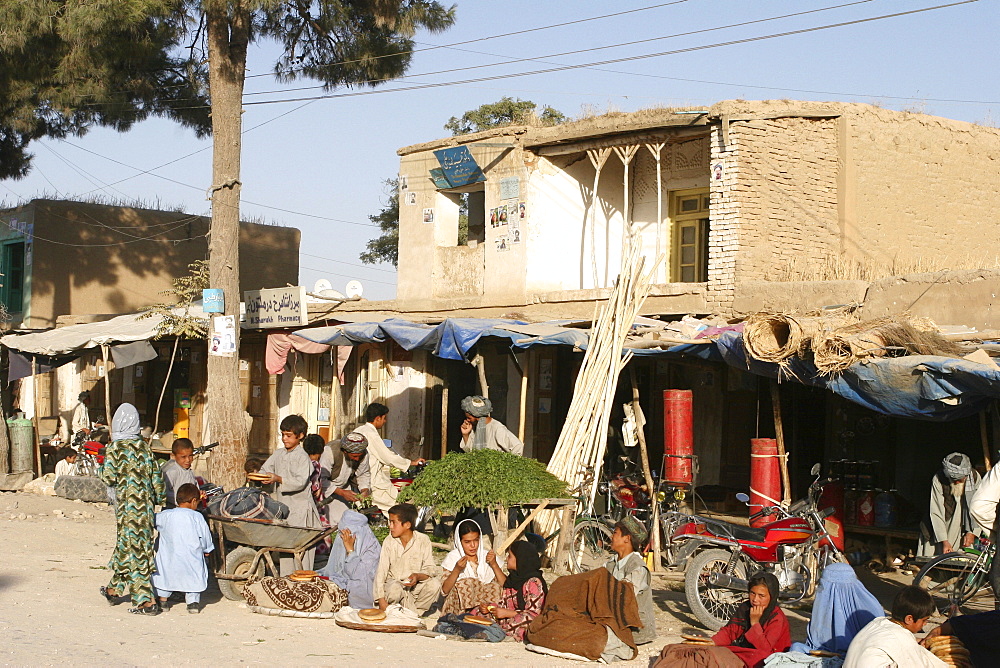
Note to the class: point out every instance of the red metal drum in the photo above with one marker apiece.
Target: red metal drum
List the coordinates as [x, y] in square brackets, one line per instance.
[765, 478]
[678, 436]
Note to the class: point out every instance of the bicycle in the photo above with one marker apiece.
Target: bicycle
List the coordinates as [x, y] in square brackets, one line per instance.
[955, 578]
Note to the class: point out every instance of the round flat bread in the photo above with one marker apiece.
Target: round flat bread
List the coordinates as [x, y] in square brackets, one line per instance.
[475, 619]
[371, 615]
[691, 638]
[259, 477]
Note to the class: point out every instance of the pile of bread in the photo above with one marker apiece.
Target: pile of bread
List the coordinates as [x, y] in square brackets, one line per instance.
[302, 576]
[950, 650]
[371, 615]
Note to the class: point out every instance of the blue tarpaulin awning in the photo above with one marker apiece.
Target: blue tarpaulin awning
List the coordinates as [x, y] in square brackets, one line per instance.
[924, 387]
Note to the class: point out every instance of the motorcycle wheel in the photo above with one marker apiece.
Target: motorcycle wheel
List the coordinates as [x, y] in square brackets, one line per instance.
[591, 547]
[713, 606]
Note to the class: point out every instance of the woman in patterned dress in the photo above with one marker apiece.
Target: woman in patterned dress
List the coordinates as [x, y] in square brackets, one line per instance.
[129, 466]
[524, 591]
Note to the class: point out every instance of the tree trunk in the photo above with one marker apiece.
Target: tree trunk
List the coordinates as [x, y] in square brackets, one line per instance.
[227, 24]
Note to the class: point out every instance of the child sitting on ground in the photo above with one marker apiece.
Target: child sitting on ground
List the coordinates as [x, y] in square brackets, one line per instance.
[184, 542]
[406, 564]
[523, 595]
[469, 578]
[67, 462]
[889, 641]
[628, 566]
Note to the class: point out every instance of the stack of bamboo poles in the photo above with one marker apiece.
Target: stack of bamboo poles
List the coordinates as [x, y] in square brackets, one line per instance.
[584, 438]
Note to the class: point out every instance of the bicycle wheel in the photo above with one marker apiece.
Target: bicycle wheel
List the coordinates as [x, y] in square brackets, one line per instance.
[951, 579]
[591, 547]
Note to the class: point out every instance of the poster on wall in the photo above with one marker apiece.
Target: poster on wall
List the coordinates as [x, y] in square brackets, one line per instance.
[411, 199]
[428, 216]
[545, 374]
[223, 339]
[509, 187]
[502, 243]
[522, 210]
[515, 230]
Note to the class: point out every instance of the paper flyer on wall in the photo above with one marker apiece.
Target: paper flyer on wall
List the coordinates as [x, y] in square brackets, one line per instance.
[223, 341]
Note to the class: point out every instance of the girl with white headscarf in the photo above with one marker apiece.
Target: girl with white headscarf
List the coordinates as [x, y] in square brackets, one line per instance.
[129, 466]
[469, 577]
[948, 526]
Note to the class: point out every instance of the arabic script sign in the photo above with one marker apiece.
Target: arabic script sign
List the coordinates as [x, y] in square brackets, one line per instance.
[275, 307]
[459, 167]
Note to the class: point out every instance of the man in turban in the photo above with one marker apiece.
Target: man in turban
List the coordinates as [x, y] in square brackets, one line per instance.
[481, 431]
[948, 526]
[350, 473]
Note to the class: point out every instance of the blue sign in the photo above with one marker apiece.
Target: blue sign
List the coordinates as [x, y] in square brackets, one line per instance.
[437, 176]
[213, 301]
[459, 167]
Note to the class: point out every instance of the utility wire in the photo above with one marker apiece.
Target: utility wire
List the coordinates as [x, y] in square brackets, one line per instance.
[577, 51]
[610, 61]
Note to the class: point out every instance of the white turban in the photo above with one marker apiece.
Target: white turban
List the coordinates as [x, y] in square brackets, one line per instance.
[956, 465]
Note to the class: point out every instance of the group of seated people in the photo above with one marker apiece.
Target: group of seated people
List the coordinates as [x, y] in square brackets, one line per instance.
[471, 582]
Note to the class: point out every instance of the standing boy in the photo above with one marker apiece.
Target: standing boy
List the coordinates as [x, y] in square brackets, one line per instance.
[381, 459]
[183, 544]
[177, 471]
[889, 642]
[406, 564]
[290, 468]
[628, 566]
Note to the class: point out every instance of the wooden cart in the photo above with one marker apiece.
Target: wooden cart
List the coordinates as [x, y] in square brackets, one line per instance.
[257, 540]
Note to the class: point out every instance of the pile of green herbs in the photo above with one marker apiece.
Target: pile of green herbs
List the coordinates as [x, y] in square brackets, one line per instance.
[482, 479]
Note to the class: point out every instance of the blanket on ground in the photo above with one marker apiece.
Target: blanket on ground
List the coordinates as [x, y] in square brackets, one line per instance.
[579, 607]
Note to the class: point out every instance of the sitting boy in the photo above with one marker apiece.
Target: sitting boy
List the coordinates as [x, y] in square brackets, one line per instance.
[628, 566]
[889, 641]
[184, 542]
[406, 564]
[67, 462]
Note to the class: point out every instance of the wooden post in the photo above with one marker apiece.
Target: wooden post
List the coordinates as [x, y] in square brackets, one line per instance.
[34, 415]
[640, 430]
[985, 438]
[107, 385]
[560, 560]
[444, 421]
[477, 361]
[524, 405]
[779, 436]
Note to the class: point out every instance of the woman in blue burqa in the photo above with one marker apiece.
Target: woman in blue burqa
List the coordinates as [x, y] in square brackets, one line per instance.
[842, 607]
[130, 468]
[354, 559]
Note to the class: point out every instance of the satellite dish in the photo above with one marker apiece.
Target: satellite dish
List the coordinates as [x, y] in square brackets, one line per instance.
[354, 289]
[323, 288]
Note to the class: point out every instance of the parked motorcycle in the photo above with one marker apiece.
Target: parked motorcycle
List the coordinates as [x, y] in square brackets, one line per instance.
[720, 556]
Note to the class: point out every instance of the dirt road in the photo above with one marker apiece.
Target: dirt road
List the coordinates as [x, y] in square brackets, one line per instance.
[54, 557]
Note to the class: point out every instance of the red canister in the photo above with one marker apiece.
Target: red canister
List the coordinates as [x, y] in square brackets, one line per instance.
[678, 436]
[765, 478]
[866, 508]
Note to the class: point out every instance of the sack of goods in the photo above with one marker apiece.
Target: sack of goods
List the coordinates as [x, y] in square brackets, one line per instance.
[82, 487]
[248, 503]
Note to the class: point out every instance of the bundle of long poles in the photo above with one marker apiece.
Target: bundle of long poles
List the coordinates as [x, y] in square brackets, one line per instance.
[584, 437]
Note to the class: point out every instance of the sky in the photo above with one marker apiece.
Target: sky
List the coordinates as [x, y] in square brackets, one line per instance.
[319, 164]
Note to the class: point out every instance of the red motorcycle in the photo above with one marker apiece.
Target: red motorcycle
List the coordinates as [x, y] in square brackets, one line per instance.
[720, 556]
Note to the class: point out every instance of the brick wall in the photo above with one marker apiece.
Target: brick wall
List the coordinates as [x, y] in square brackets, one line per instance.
[775, 201]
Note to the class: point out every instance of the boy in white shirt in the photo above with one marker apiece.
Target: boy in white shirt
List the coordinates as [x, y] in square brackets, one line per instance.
[888, 642]
[67, 462]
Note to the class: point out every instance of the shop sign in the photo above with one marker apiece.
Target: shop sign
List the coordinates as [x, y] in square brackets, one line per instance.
[275, 307]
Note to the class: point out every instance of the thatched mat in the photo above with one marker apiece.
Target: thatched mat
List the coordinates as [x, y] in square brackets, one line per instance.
[836, 351]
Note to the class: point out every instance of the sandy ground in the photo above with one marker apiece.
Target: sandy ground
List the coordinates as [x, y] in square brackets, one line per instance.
[52, 613]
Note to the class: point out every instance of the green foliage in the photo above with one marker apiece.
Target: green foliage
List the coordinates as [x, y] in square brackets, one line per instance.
[66, 65]
[503, 112]
[386, 247]
[176, 318]
[480, 479]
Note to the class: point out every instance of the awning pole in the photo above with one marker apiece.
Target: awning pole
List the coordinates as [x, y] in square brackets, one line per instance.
[985, 438]
[34, 415]
[779, 436]
[107, 385]
[444, 420]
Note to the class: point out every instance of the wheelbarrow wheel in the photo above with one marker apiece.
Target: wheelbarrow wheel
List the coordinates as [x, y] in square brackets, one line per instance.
[238, 562]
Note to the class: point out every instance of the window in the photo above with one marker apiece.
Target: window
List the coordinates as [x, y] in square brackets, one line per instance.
[689, 251]
[12, 292]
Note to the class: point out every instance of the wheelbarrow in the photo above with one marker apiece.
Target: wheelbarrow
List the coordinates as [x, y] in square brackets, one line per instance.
[256, 541]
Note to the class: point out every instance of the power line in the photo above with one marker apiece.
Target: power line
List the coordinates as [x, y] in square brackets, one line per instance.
[117, 243]
[610, 61]
[578, 51]
[331, 273]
